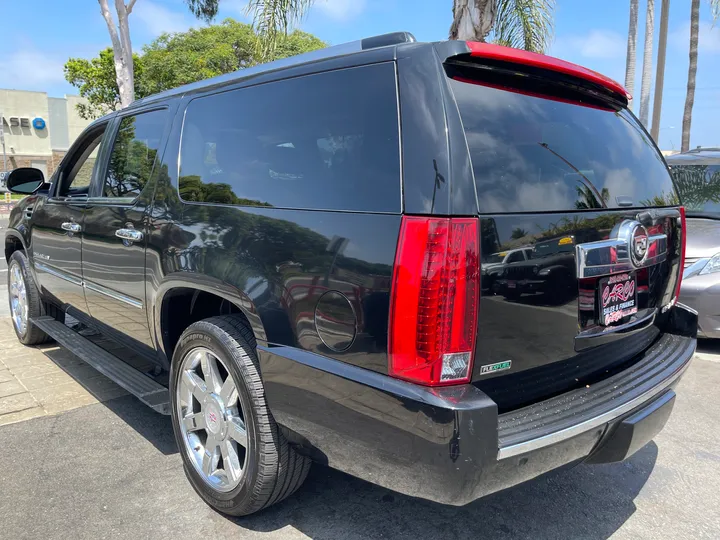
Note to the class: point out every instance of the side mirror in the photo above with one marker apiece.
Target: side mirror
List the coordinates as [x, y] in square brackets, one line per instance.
[25, 180]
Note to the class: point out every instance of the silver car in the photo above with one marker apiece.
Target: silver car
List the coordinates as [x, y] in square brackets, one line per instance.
[697, 176]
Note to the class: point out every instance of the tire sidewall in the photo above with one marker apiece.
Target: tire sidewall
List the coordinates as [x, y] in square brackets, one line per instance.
[205, 334]
[18, 258]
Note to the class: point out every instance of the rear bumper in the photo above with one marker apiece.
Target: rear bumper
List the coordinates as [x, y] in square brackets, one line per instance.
[449, 444]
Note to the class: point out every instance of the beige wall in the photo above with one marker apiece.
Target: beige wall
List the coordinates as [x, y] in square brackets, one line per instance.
[76, 125]
[24, 141]
[27, 146]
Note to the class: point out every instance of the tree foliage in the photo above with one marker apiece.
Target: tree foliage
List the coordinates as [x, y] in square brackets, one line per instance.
[175, 59]
[524, 24]
[96, 81]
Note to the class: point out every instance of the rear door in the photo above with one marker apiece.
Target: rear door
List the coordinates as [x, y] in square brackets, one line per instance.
[114, 231]
[572, 177]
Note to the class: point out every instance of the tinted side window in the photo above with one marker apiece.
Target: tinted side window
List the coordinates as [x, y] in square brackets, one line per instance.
[515, 257]
[324, 141]
[134, 149]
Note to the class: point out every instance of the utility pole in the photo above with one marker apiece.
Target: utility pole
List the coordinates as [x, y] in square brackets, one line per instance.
[2, 140]
[660, 73]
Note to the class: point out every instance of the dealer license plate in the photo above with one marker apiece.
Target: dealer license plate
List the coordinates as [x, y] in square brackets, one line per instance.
[617, 297]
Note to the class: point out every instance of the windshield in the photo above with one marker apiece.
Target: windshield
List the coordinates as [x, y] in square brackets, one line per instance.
[553, 247]
[698, 187]
[532, 154]
[495, 258]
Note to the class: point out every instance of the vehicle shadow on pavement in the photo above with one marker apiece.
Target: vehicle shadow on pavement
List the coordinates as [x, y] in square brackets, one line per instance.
[154, 427]
[709, 346]
[589, 501]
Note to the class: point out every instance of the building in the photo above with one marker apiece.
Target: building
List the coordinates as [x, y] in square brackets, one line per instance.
[37, 130]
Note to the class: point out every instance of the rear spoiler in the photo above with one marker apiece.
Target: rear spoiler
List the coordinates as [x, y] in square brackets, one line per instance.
[526, 62]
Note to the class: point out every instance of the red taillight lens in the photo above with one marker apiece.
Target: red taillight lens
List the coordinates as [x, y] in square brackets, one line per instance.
[435, 296]
[683, 237]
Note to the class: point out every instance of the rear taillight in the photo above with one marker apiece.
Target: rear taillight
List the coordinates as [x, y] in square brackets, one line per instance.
[683, 238]
[435, 298]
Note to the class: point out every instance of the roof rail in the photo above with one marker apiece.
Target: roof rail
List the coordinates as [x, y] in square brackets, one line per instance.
[704, 149]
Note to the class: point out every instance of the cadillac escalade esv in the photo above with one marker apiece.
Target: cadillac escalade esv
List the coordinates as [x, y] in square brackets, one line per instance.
[287, 261]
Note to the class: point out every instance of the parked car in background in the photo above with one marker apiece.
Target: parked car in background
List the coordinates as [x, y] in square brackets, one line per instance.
[3, 181]
[287, 259]
[697, 177]
[493, 264]
[549, 270]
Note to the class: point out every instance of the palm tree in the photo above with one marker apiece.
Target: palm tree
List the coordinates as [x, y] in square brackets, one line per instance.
[525, 24]
[646, 81]
[632, 42]
[660, 74]
[692, 69]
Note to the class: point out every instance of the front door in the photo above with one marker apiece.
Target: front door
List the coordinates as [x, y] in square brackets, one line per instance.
[114, 229]
[57, 223]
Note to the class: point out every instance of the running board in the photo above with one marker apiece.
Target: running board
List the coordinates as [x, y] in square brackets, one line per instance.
[147, 390]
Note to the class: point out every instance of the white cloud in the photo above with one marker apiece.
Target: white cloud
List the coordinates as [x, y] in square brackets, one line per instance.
[30, 70]
[340, 10]
[605, 44]
[708, 41]
[158, 19]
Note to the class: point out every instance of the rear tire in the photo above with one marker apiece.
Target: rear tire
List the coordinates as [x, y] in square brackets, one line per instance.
[219, 409]
[24, 299]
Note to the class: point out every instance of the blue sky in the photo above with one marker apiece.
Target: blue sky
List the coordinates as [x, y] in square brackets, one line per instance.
[588, 32]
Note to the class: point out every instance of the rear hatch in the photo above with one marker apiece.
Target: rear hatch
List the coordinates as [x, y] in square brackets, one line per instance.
[565, 171]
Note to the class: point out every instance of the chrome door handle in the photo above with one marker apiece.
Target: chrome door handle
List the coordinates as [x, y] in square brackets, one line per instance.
[71, 227]
[129, 234]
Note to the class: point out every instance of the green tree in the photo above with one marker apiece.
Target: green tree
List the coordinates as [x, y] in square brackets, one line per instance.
[525, 24]
[172, 60]
[518, 232]
[175, 59]
[123, 58]
[96, 82]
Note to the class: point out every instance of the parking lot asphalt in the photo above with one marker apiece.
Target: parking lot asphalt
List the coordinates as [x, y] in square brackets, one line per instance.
[111, 470]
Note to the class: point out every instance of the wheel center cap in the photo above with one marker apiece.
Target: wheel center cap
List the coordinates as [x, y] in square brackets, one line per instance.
[214, 419]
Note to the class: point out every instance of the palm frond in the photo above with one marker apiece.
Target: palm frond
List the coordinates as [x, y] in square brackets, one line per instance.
[274, 17]
[715, 10]
[524, 24]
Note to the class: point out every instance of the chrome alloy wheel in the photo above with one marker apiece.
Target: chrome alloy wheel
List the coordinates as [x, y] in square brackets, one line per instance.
[18, 298]
[211, 419]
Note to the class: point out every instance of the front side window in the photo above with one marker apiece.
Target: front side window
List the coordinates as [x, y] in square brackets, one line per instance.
[133, 154]
[327, 141]
[77, 174]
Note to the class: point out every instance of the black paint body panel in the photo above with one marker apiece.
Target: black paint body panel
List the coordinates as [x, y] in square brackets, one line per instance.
[314, 286]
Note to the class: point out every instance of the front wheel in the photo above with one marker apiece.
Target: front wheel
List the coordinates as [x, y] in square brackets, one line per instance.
[24, 298]
[233, 452]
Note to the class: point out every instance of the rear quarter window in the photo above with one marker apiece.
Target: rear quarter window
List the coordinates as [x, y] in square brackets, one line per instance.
[328, 141]
[533, 154]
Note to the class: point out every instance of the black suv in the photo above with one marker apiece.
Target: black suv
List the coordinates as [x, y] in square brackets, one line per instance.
[287, 261]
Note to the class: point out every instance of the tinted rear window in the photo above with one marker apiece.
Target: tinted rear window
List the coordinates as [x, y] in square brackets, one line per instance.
[327, 141]
[698, 187]
[532, 154]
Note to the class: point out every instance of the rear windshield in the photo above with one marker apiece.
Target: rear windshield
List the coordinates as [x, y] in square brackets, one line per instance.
[532, 154]
[698, 187]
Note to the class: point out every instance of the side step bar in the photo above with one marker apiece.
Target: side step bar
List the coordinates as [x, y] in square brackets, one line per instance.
[137, 383]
